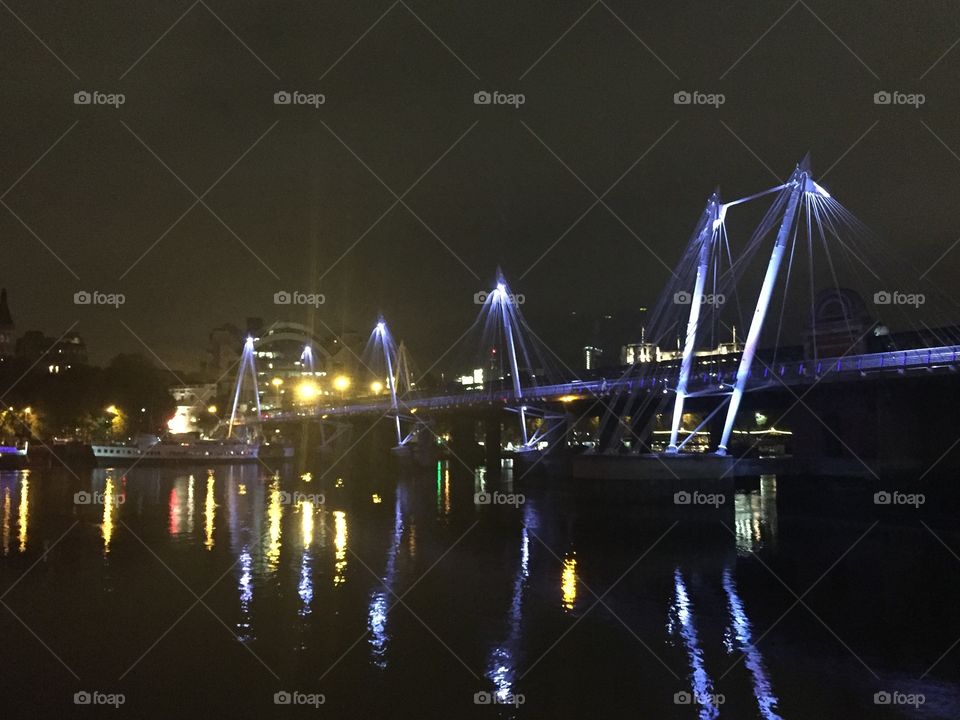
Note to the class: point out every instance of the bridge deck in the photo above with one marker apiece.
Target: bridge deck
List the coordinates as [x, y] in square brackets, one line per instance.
[804, 372]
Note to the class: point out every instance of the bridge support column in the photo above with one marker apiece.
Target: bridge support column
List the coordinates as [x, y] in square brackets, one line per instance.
[710, 225]
[463, 431]
[492, 440]
[800, 182]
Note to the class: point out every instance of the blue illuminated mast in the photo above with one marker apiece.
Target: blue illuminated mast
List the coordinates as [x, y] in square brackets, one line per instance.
[800, 183]
[247, 366]
[501, 295]
[711, 224]
[306, 357]
[384, 336]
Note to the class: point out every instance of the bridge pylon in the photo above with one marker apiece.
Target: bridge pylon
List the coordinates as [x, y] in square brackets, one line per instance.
[709, 228]
[800, 183]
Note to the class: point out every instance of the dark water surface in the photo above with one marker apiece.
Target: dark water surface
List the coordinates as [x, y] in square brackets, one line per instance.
[390, 593]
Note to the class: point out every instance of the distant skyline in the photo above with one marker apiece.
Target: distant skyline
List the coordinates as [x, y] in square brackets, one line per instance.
[198, 198]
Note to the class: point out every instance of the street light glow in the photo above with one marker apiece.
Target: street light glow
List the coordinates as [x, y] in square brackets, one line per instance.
[307, 390]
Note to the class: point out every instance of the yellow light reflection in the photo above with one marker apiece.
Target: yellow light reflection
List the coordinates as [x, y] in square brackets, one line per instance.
[307, 477]
[209, 512]
[109, 501]
[7, 507]
[24, 511]
[376, 498]
[568, 582]
[306, 522]
[340, 543]
[274, 515]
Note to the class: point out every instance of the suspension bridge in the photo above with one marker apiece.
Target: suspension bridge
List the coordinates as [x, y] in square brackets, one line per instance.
[814, 261]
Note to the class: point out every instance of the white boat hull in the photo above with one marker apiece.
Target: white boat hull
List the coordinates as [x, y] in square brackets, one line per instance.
[167, 451]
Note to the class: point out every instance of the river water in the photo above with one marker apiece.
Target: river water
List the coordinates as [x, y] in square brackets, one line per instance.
[329, 591]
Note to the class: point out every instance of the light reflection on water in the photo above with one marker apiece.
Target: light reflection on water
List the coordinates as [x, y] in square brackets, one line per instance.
[681, 622]
[209, 512]
[305, 583]
[381, 599]
[109, 501]
[568, 582]
[191, 506]
[289, 567]
[739, 638]
[502, 664]
[7, 503]
[24, 509]
[274, 518]
[755, 517]
[340, 545]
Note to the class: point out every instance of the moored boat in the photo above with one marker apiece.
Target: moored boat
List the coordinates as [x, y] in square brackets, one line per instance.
[150, 448]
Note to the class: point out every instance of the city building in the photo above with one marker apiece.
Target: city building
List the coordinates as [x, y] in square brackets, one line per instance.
[591, 357]
[59, 355]
[840, 324]
[194, 402]
[645, 352]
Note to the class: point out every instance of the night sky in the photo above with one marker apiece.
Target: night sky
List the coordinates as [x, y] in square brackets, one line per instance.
[291, 196]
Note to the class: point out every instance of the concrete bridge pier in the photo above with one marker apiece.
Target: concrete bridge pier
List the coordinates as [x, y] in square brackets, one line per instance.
[463, 438]
[492, 444]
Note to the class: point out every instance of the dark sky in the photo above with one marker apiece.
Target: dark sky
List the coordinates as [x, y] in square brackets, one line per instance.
[399, 96]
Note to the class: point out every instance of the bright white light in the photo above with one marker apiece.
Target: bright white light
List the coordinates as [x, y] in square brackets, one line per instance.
[381, 326]
[249, 344]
